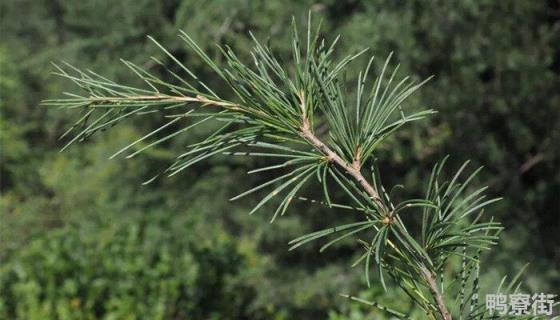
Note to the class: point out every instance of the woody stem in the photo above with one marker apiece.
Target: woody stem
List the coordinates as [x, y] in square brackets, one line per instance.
[354, 171]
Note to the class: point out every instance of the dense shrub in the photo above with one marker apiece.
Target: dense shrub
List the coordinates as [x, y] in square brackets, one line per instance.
[145, 269]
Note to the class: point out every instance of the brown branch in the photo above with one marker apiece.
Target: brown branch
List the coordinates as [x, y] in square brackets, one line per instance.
[167, 98]
[432, 285]
[353, 169]
[534, 160]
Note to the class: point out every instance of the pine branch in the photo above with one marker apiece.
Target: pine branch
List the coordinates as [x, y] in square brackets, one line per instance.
[354, 171]
[163, 99]
[438, 297]
[274, 116]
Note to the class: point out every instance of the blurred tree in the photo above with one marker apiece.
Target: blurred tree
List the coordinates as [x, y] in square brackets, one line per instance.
[145, 268]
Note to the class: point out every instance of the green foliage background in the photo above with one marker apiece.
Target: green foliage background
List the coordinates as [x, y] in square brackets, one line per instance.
[82, 238]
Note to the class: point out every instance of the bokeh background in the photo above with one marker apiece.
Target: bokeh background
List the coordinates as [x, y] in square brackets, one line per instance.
[81, 238]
